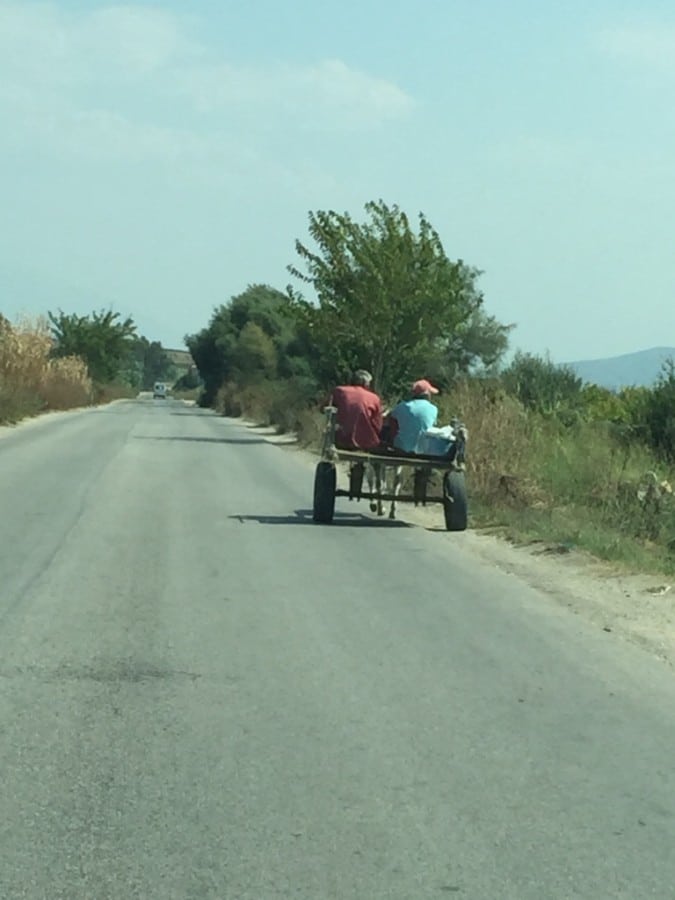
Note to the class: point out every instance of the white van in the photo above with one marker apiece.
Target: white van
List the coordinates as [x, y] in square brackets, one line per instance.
[159, 391]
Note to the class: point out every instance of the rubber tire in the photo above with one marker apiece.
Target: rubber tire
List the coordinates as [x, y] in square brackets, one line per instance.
[455, 506]
[325, 481]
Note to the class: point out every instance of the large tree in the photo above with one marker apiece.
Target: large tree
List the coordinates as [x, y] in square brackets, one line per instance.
[253, 336]
[475, 347]
[387, 296]
[103, 340]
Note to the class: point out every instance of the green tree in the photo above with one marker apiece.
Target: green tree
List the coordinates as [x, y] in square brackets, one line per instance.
[599, 404]
[658, 413]
[388, 297]
[264, 306]
[156, 363]
[189, 381]
[476, 347]
[543, 386]
[255, 356]
[103, 340]
[147, 363]
[635, 401]
[220, 353]
[212, 349]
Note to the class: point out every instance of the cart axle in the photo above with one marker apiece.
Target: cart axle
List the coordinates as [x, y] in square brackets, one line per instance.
[404, 498]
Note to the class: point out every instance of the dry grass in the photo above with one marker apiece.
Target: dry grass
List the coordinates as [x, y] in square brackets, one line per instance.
[579, 486]
[66, 384]
[106, 393]
[280, 404]
[30, 381]
[499, 461]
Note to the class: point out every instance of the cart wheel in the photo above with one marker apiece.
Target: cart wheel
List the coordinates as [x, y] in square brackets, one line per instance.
[325, 479]
[454, 501]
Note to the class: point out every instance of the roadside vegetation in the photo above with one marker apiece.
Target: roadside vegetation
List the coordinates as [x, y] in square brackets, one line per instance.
[550, 458]
[65, 361]
[31, 379]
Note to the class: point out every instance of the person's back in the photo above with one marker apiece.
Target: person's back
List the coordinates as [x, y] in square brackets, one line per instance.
[413, 417]
[359, 414]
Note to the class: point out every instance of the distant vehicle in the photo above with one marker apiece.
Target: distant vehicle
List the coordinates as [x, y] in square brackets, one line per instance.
[159, 391]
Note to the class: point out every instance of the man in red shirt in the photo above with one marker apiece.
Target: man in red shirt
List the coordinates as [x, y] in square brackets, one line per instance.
[359, 414]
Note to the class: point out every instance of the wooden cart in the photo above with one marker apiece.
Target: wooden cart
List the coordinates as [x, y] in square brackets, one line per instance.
[453, 496]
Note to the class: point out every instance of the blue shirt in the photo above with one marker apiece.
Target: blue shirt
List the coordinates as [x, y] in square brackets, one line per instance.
[413, 417]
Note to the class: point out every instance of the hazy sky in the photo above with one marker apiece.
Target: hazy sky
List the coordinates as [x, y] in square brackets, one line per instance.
[160, 156]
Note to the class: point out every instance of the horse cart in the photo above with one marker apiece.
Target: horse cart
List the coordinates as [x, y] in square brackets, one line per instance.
[373, 467]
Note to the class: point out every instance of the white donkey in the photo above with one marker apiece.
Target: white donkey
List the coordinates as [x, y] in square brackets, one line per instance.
[378, 482]
[376, 477]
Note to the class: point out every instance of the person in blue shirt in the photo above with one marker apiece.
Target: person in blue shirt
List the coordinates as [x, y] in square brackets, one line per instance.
[411, 418]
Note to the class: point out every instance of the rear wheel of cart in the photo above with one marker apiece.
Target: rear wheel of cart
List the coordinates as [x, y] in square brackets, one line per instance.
[454, 501]
[325, 479]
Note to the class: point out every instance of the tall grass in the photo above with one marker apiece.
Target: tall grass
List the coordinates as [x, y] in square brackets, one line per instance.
[499, 462]
[583, 485]
[30, 380]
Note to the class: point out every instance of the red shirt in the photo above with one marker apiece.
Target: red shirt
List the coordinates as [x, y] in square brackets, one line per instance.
[359, 417]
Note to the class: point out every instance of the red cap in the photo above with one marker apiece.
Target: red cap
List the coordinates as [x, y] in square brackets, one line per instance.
[423, 387]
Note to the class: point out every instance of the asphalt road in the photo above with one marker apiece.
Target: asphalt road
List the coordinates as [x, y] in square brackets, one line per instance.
[205, 695]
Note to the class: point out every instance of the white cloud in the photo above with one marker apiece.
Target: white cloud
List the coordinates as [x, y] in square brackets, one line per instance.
[135, 40]
[38, 43]
[131, 83]
[646, 44]
[328, 90]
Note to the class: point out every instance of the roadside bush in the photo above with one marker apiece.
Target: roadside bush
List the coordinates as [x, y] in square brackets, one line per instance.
[592, 483]
[287, 404]
[30, 380]
[500, 448]
[544, 387]
[106, 393]
[191, 394]
[17, 402]
[66, 384]
[659, 413]
[598, 404]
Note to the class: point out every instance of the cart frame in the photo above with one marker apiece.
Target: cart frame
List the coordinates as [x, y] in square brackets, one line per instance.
[453, 466]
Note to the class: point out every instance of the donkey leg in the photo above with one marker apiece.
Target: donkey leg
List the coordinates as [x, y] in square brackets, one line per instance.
[372, 479]
[396, 487]
[356, 473]
[380, 481]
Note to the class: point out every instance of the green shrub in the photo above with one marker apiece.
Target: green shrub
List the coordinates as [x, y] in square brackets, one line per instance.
[659, 413]
[544, 387]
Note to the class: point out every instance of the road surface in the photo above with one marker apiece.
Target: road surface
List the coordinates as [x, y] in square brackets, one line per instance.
[205, 695]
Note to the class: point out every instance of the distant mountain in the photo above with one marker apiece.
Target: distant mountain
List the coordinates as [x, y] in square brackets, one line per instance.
[639, 369]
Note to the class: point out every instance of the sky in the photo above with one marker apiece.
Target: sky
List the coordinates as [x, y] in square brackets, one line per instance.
[159, 157]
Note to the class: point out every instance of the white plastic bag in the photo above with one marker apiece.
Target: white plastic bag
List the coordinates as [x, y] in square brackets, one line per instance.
[436, 441]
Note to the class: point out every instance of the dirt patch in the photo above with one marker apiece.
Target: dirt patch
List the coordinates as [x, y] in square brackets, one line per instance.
[636, 607]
